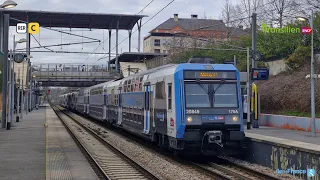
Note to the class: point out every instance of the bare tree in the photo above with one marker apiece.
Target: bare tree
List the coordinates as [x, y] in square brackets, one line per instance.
[227, 11]
[314, 3]
[281, 11]
[248, 7]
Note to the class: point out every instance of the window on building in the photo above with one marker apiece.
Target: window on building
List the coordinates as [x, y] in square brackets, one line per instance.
[164, 51]
[157, 50]
[157, 42]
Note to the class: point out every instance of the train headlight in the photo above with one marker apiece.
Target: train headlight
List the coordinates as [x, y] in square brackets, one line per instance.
[235, 118]
[189, 119]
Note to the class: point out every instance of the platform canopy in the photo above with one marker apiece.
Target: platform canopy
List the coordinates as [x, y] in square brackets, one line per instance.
[74, 20]
[136, 57]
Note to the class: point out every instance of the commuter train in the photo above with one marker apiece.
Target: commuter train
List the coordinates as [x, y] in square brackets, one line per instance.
[194, 108]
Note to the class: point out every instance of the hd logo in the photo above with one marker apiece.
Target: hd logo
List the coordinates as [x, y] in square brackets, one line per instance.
[33, 28]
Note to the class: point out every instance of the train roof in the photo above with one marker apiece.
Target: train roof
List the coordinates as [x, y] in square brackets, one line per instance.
[100, 85]
[194, 66]
[150, 71]
[167, 69]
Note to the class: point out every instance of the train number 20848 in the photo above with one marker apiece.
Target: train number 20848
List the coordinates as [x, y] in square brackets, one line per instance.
[193, 111]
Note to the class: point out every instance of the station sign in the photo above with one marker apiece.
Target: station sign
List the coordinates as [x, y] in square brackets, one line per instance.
[260, 74]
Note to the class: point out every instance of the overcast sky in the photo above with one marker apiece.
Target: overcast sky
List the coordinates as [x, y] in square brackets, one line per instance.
[210, 8]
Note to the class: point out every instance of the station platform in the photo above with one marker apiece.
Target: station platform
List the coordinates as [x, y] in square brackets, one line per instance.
[39, 147]
[283, 149]
[298, 139]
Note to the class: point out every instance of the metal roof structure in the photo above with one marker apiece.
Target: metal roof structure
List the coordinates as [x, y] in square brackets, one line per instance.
[74, 20]
[136, 57]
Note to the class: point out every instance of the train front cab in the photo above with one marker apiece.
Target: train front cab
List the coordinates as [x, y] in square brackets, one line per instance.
[211, 112]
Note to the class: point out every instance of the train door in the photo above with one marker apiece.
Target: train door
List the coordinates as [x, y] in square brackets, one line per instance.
[171, 118]
[119, 106]
[105, 101]
[146, 124]
[153, 97]
[85, 102]
[88, 102]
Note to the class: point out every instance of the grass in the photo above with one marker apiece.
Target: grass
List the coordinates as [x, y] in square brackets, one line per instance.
[297, 113]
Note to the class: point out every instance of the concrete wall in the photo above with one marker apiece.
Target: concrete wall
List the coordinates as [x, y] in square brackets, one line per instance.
[275, 67]
[288, 122]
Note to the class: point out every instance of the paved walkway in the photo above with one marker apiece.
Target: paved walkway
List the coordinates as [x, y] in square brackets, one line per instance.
[39, 147]
[22, 149]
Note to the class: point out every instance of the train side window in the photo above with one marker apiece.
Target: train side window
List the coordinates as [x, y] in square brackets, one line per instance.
[160, 91]
[170, 96]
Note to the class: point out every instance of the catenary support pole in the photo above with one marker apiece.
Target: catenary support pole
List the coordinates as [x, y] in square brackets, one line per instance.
[109, 49]
[130, 33]
[12, 81]
[248, 89]
[139, 34]
[5, 68]
[18, 97]
[254, 50]
[117, 47]
[12, 90]
[28, 97]
[9, 91]
[313, 110]
[1, 31]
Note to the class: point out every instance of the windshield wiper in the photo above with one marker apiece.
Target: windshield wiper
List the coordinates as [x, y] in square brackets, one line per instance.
[214, 91]
[204, 88]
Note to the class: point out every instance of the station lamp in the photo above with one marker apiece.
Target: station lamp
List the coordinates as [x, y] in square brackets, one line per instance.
[8, 4]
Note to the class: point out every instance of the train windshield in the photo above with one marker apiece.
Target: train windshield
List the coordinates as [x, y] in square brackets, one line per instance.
[199, 95]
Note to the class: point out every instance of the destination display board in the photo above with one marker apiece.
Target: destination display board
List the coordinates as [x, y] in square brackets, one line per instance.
[210, 75]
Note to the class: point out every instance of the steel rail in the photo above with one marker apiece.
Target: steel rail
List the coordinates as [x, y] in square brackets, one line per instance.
[115, 150]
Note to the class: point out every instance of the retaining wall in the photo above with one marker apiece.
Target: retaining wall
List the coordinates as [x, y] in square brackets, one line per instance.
[288, 122]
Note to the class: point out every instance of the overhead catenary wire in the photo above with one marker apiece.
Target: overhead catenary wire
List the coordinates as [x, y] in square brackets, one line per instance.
[114, 33]
[141, 26]
[65, 44]
[40, 44]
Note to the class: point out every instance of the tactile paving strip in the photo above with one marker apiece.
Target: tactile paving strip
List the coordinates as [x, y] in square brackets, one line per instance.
[57, 167]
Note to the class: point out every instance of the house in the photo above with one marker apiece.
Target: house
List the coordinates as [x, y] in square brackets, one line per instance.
[187, 32]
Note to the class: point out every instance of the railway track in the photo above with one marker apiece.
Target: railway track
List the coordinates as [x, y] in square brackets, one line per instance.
[248, 173]
[229, 170]
[108, 161]
[220, 169]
